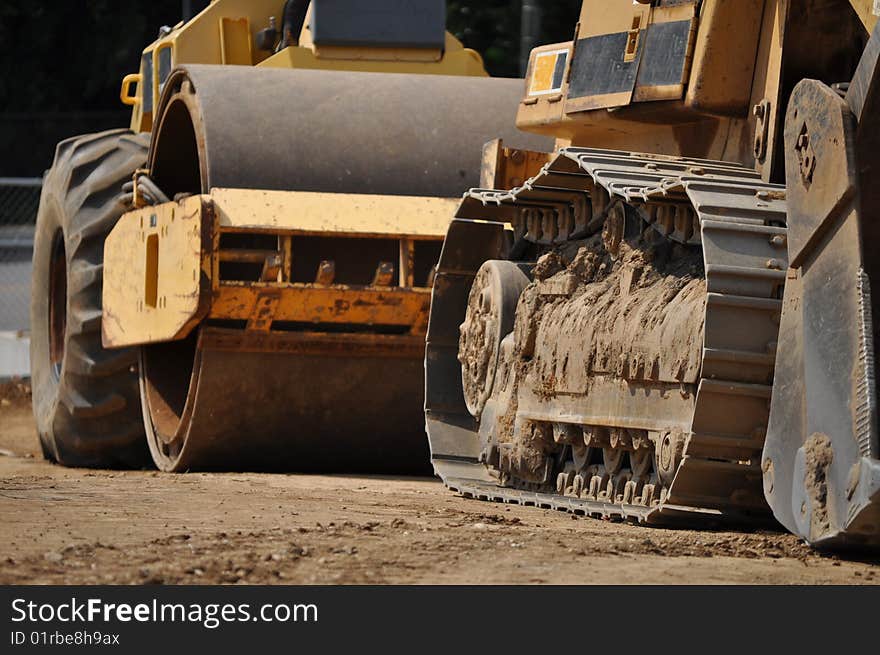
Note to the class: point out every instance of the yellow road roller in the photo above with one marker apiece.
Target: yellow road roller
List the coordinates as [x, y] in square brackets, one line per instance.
[241, 280]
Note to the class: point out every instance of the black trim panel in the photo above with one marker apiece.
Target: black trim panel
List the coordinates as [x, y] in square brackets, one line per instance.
[598, 67]
[666, 50]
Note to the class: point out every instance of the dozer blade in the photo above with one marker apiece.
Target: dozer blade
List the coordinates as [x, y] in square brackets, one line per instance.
[820, 461]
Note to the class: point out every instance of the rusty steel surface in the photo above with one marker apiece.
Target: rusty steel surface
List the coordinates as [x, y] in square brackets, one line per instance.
[296, 402]
[322, 304]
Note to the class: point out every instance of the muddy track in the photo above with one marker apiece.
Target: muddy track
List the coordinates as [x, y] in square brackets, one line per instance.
[137, 527]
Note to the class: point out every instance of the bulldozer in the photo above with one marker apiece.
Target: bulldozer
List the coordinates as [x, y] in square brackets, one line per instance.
[668, 318]
[241, 280]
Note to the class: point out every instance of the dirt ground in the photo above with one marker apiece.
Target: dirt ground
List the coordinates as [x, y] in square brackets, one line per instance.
[86, 527]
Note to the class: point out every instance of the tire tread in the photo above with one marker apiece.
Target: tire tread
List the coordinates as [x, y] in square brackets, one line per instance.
[90, 415]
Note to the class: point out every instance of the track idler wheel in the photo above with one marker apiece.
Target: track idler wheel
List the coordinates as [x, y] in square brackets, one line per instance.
[668, 454]
[490, 317]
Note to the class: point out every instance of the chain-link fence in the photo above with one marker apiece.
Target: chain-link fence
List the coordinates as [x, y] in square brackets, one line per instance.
[19, 199]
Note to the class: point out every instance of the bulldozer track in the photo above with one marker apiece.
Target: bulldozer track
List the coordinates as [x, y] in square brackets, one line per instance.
[740, 223]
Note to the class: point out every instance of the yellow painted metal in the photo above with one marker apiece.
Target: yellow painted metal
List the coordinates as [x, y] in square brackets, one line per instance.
[155, 274]
[155, 55]
[542, 70]
[225, 32]
[235, 41]
[162, 274]
[868, 11]
[163, 262]
[320, 304]
[599, 17]
[508, 168]
[125, 94]
[200, 41]
[547, 106]
[333, 214]
[724, 57]
[455, 60]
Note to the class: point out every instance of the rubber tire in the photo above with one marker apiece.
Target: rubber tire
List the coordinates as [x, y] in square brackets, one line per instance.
[87, 410]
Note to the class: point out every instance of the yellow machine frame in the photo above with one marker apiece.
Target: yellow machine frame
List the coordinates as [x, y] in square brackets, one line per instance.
[166, 293]
[162, 262]
[225, 33]
[726, 105]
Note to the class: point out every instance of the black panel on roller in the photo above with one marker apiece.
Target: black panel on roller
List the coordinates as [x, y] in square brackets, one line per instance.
[389, 23]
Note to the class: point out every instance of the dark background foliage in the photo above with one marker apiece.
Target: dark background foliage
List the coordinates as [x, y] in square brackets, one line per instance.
[62, 61]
